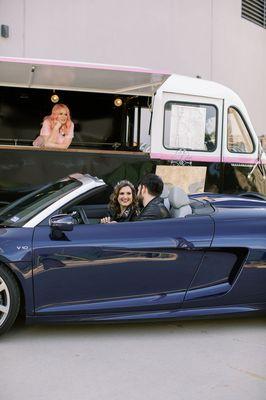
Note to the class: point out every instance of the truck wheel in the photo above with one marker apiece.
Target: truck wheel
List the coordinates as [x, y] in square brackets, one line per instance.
[9, 299]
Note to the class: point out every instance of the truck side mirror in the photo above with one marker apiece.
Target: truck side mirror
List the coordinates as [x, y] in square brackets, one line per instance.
[62, 222]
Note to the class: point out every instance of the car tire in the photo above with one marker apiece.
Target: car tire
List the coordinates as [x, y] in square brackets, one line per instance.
[9, 299]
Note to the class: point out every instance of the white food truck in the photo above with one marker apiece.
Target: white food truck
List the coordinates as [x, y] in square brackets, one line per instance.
[127, 121]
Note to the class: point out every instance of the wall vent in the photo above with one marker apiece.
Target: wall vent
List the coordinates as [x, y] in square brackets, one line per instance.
[255, 11]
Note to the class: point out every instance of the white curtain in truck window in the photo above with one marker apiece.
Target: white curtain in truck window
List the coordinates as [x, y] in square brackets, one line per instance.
[187, 127]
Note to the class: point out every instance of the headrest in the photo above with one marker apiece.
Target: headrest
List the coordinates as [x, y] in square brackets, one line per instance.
[178, 198]
[165, 192]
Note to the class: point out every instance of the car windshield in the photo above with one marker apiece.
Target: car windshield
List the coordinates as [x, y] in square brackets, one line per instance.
[21, 211]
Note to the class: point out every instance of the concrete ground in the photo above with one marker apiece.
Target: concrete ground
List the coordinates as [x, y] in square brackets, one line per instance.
[219, 359]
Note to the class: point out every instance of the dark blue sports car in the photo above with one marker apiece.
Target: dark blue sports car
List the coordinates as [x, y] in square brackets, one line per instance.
[57, 263]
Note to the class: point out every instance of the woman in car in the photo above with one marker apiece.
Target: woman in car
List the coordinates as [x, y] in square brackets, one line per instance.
[57, 129]
[123, 204]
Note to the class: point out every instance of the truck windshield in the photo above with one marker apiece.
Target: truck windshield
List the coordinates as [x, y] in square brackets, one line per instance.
[21, 211]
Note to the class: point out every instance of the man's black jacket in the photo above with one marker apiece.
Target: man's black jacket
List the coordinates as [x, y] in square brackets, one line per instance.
[155, 209]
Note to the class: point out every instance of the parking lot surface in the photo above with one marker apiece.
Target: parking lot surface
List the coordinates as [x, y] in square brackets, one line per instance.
[218, 359]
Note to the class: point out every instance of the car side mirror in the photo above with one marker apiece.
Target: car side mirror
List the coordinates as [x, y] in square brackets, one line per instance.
[62, 222]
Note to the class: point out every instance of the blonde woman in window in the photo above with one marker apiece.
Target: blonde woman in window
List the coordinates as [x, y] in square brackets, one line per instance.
[57, 129]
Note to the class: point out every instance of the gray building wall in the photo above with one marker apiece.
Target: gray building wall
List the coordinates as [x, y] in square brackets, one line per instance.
[191, 37]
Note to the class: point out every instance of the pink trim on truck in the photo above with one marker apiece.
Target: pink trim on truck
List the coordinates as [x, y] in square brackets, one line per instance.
[240, 160]
[208, 158]
[185, 157]
[63, 63]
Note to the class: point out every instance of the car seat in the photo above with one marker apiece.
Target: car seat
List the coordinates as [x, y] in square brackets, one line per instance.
[179, 203]
[164, 196]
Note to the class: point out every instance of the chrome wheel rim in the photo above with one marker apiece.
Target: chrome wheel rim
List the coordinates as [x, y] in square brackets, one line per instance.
[4, 301]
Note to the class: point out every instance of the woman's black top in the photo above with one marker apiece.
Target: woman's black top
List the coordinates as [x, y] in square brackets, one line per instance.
[125, 216]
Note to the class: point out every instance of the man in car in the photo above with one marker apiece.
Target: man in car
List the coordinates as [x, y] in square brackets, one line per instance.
[149, 190]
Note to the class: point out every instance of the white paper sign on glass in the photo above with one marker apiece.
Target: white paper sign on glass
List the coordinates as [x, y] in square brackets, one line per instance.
[187, 127]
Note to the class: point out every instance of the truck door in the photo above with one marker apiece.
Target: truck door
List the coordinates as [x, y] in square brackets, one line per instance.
[238, 141]
[243, 171]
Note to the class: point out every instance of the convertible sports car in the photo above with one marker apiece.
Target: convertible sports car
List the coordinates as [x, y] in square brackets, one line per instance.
[58, 263]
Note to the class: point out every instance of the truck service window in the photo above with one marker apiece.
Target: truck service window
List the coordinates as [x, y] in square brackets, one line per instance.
[238, 137]
[190, 126]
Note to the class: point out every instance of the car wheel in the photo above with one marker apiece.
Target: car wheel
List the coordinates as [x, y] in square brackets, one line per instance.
[9, 299]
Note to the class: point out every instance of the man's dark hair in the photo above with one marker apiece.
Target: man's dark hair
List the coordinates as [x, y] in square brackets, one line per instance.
[153, 183]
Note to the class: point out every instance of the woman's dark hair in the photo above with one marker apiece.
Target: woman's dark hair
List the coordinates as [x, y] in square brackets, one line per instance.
[113, 204]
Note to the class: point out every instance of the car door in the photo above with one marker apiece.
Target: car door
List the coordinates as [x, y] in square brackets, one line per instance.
[116, 267]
